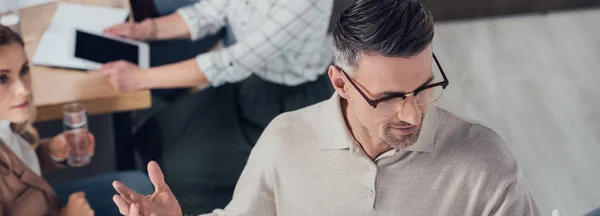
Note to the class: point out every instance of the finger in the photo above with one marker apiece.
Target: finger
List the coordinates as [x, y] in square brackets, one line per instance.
[134, 210]
[76, 195]
[59, 140]
[109, 65]
[120, 29]
[64, 153]
[107, 72]
[59, 147]
[156, 177]
[123, 63]
[115, 82]
[127, 194]
[92, 144]
[61, 136]
[112, 77]
[125, 32]
[112, 28]
[64, 146]
[108, 30]
[121, 204]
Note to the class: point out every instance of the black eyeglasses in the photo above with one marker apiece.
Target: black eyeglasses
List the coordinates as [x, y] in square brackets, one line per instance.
[424, 95]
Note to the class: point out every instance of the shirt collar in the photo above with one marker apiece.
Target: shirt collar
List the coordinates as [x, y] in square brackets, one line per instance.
[5, 130]
[335, 132]
[336, 135]
[386, 154]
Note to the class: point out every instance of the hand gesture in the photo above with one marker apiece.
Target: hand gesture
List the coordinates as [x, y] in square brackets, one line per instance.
[161, 203]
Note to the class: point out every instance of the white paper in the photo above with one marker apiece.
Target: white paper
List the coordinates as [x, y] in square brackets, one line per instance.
[57, 46]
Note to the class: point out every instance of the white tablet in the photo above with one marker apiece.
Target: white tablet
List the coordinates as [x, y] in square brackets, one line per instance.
[102, 49]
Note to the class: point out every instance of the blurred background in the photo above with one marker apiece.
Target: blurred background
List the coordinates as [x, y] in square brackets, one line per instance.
[526, 68]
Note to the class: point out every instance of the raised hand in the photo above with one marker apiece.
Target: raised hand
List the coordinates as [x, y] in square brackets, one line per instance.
[161, 203]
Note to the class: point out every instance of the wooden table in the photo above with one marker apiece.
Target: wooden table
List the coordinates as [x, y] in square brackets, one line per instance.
[55, 87]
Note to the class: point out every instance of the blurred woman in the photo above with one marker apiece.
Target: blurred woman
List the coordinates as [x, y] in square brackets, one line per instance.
[23, 156]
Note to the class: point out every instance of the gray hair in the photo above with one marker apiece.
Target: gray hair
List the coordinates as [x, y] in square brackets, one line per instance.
[392, 28]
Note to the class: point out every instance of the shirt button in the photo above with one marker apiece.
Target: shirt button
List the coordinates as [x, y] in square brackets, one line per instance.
[369, 193]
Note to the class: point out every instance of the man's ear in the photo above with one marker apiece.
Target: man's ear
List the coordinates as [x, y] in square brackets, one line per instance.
[338, 80]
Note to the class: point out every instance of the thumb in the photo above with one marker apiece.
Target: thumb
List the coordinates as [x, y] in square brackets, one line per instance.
[109, 65]
[156, 177]
[108, 30]
[115, 29]
[105, 72]
[59, 143]
[134, 210]
[111, 29]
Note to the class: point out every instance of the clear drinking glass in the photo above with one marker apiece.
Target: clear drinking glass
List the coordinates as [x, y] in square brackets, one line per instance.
[75, 126]
[9, 15]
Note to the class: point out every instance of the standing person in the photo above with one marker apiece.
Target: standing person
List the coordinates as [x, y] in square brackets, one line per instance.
[378, 146]
[277, 63]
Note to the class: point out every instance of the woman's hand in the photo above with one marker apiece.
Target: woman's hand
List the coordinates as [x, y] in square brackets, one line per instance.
[162, 202]
[77, 206]
[60, 147]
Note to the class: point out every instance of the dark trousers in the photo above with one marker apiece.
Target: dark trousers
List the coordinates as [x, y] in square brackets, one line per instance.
[99, 191]
[202, 140]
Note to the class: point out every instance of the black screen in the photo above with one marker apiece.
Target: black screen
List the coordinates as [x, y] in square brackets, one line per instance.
[103, 50]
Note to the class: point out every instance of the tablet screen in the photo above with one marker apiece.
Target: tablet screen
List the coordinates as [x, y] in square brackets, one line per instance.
[103, 50]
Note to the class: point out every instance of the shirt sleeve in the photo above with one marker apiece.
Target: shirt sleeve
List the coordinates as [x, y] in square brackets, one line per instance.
[254, 191]
[516, 200]
[289, 24]
[205, 17]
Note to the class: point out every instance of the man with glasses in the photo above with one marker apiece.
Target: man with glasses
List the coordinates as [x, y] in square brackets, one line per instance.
[378, 146]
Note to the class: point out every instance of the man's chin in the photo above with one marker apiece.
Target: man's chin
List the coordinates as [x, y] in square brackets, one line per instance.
[397, 139]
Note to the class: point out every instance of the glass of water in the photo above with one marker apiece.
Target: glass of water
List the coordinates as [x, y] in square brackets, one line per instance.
[9, 15]
[75, 126]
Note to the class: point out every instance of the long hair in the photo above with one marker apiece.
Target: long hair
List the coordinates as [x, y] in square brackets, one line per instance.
[25, 129]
